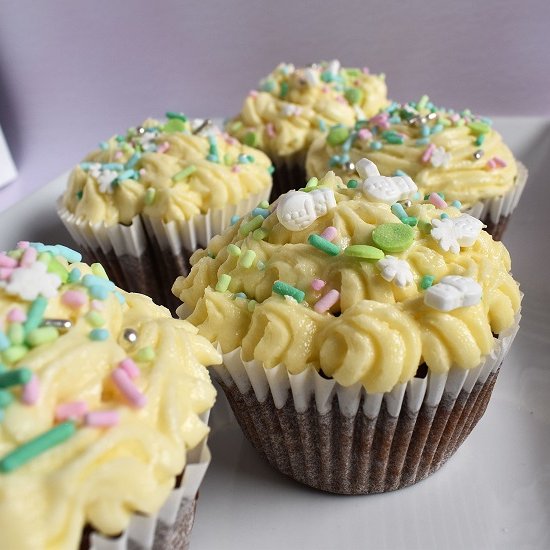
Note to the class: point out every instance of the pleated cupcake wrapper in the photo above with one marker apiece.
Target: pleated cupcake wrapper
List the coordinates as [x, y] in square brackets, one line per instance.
[495, 211]
[290, 173]
[149, 254]
[171, 526]
[347, 440]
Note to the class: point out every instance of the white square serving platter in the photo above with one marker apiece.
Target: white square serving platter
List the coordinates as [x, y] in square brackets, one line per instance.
[494, 493]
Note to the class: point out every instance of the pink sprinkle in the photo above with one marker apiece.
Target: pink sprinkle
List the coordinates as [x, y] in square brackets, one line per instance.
[31, 391]
[23, 244]
[142, 171]
[126, 386]
[118, 155]
[253, 93]
[74, 298]
[270, 129]
[317, 284]
[364, 133]
[329, 233]
[381, 120]
[74, 410]
[235, 168]
[163, 147]
[455, 117]
[437, 201]
[341, 99]
[131, 369]
[327, 301]
[427, 154]
[366, 70]
[324, 89]
[101, 419]
[500, 162]
[29, 257]
[491, 164]
[16, 315]
[5, 273]
[97, 305]
[6, 261]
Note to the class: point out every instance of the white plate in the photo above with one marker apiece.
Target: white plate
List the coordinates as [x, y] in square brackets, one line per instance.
[494, 493]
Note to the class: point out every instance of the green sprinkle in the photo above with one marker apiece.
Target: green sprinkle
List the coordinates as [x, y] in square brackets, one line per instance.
[16, 377]
[74, 275]
[178, 116]
[251, 225]
[227, 159]
[95, 319]
[312, 182]
[45, 258]
[284, 89]
[79, 195]
[393, 138]
[479, 127]
[174, 125]
[398, 210]
[145, 354]
[57, 269]
[264, 204]
[444, 215]
[16, 334]
[284, 289]
[364, 252]
[393, 237]
[6, 398]
[410, 220]
[422, 103]
[35, 313]
[236, 126]
[233, 250]
[270, 169]
[36, 446]
[42, 335]
[354, 95]
[150, 196]
[250, 139]
[337, 135]
[246, 260]
[99, 334]
[426, 281]
[260, 234]
[251, 305]
[479, 140]
[182, 174]
[14, 354]
[322, 244]
[223, 282]
[352, 184]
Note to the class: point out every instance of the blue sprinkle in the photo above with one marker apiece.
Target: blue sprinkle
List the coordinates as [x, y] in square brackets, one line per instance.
[132, 161]
[234, 219]
[119, 297]
[74, 275]
[423, 141]
[240, 295]
[127, 175]
[416, 196]
[394, 120]
[69, 254]
[424, 130]
[456, 204]
[86, 166]
[267, 86]
[443, 216]
[98, 292]
[264, 212]
[113, 166]
[93, 280]
[243, 159]
[99, 334]
[212, 158]
[322, 125]
[4, 341]
[398, 210]
[437, 129]
[103, 145]
[399, 173]
[375, 145]
[346, 146]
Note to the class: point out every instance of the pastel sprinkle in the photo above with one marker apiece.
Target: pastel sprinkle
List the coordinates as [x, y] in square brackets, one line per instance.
[6, 261]
[97, 305]
[74, 298]
[145, 354]
[327, 301]
[37, 446]
[264, 204]
[6, 398]
[29, 257]
[4, 341]
[99, 334]
[73, 410]
[35, 313]
[251, 305]
[437, 201]
[312, 182]
[264, 212]
[251, 225]
[456, 204]
[426, 281]
[182, 174]
[352, 184]
[95, 319]
[427, 154]
[317, 284]
[247, 259]
[55, 267]
[223, 282]
[102, 419]
[479, 127]
[284, 289]
[15, 377]
[329, 233]
[69, 254]
[31, 391]
[233, 250]
[398, 210]
[16, 314]
[119, 296]
[322, 244]
[260, 234]
[14, 354]
[364, 252]
[95, 280]
[410, 220]
[125, 385]
[42, 335]
[98, 292]
[131, 369]
[74, 275]
[16, 334]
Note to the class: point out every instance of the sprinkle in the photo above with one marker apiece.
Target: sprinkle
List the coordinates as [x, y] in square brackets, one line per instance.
[250, 139]
[31, 391]
[43, 335]
[6, 261]
[6, 398]
[456, 204]
[260, 265]
[423, 141]
[352, 184]
[5, 273]
[74, 298]
[182, 174]
[102, 419]
[95, 280]
[479, 140]
[99, 334]
[73, 410]
[260, 234]
[410, 220]
[145, 354]
[16, 314]
[14, 354]
[133, 160]
[29, 257]
[264, 212]
[150, 196]
[427, 154]
[16, 334]
[327, 301]
[99, 271]
[95, 319]
[23, 244]
[376, 145]
[120, 298]
[171, 115]
[99, 292]
[235, 169]
[322, 244]
[125, 385]
[437, 201]
[74, 275]
[479, 127]
[233, 250]
[36, 446]
[15, 377]
[437, 128]
[422, 103]
[312, 182]
[35, 314]
[284, 289]
[246, 260]
[364, 252]
[4, 341]
[131, 369]
[426, 281]
[329, 233]
[270, 130]
[398, 210]
[163, 147]
[223, 282]
[337, 135]
[364, 134]
[56, 268]
[393, 138]
[318, 284]
[251, 225]
[251, 305]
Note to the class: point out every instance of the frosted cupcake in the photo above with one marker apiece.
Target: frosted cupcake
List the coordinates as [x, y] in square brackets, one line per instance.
[144, 201]
[361, 336]
[457, 154]
[103, 406]
[294, 106]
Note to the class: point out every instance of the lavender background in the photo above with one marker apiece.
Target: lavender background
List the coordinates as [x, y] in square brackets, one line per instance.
[73, 73]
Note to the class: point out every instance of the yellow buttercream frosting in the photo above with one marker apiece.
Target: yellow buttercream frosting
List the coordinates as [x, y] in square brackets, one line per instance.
[376, 332]
[165, 171]
[295, 105]
[458, 154]
[101, 475]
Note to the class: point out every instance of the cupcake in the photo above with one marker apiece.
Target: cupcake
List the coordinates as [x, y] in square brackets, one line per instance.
[457, 154]
[294, 106]
[143, 202]
[103, 406]
[361, 336]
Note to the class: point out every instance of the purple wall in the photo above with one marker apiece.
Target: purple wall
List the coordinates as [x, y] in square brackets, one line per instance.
[73, 73]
